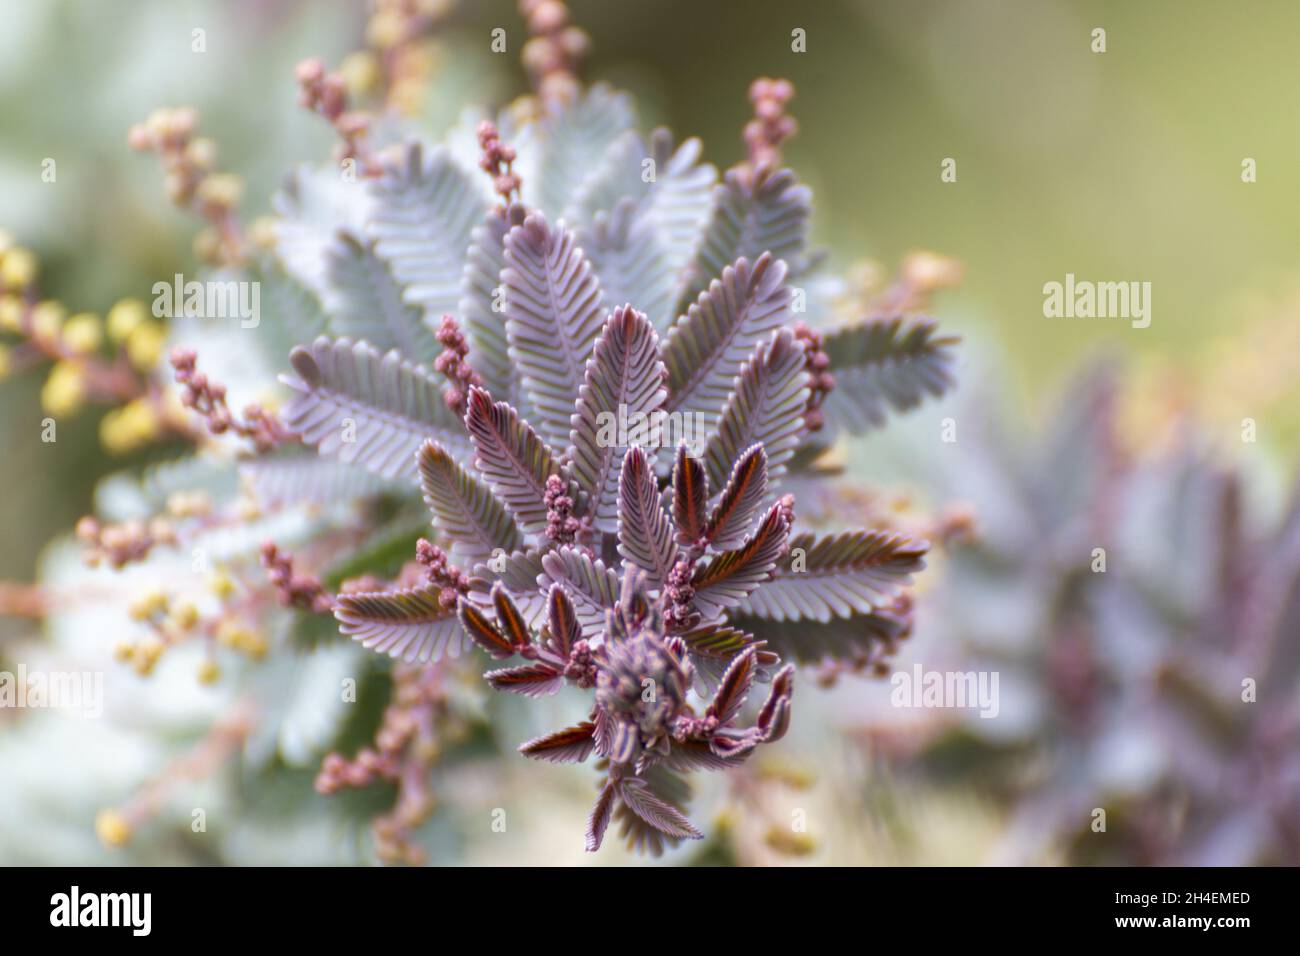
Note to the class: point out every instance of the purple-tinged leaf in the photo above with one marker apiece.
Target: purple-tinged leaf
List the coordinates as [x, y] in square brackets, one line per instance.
[690, 497]
[511, 623]
[465, 511]
[728, 577]
[705, 350]
[623, 383]
[655, 811]
[767, 406]
[484, 633]
[530, 680]
[511, 457]
[734, 687]
[562, 621]
[838, 575]
[409, 624]
[645, 535]
[774, 717]
[571, 745]
[885, 364]
[553, 315]
[598, 819]
[740, 500]
[589, 584]
[479, 307]
[368, 409]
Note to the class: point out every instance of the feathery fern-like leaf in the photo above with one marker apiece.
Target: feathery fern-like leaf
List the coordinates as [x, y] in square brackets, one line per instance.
[748, 220]
[885, 364]
[727, 578]
[740, 500]
[553, 314]
[623, 381]
[482, 301]
[591, 586]
[767, 406]
[645, 534]
[368, 409]
[511, 457]
[837, 575]
[364, 301]
[410, 624]
[571, 745]
[465, 511]
[705, 351]
[423, 211]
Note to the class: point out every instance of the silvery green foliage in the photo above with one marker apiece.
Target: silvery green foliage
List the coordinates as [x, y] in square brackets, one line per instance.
[1142, 607]
[629, 282]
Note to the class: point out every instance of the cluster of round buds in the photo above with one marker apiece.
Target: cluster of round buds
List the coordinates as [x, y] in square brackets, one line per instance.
[451, 363]
[190, 178]
[120, 544]
[679, 597]
[294, 589]
[326, 94]
[208, 398]
[554, 51]
[771, 125]
[169, 623]
[440, 571]
[820, 379]
[561, 526]
[497, 160]
[406, 746]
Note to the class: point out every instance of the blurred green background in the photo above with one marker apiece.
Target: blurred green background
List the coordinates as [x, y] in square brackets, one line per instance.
[1117, 166]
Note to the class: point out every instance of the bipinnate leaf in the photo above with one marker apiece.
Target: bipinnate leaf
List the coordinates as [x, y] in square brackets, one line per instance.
[573, 142]
[748, 220]
[554, 311]
[465, 511]
[767, 406]
[645, 535]
[623, 382]
[690, 495]
[734, 687]
[883, 365]
[726, 578]
[631, 266]
[837, 575]
[563, 629]
[740, 500]
[423, 210]
[705, 350]
[590, 585]
[409, 624]
[571, 745]
[598, 819]
[528, 680]
[656, 812]
[861, 637]
[482, 302]
[363, 300]
[368, 409]
[513, 459]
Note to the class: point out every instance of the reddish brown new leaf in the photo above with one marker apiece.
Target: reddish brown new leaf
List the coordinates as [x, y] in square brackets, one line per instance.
[571, 745]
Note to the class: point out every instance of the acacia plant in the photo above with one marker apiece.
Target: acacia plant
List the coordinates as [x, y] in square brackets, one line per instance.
[514, 347]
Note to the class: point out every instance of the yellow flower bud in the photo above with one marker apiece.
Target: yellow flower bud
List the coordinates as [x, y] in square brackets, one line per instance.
[360, 72]
[123, 651]
[112, 829]
[185, 616]
[148, 604]
[145, 344]
[11, 313]
[146, 655]
[202, 153]
[64, 390]
[124, 317]
[221, 189]
[83, 333]
[209, 672]
[262, 232]
[17, 269]
[221, 585]
[47, 320]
